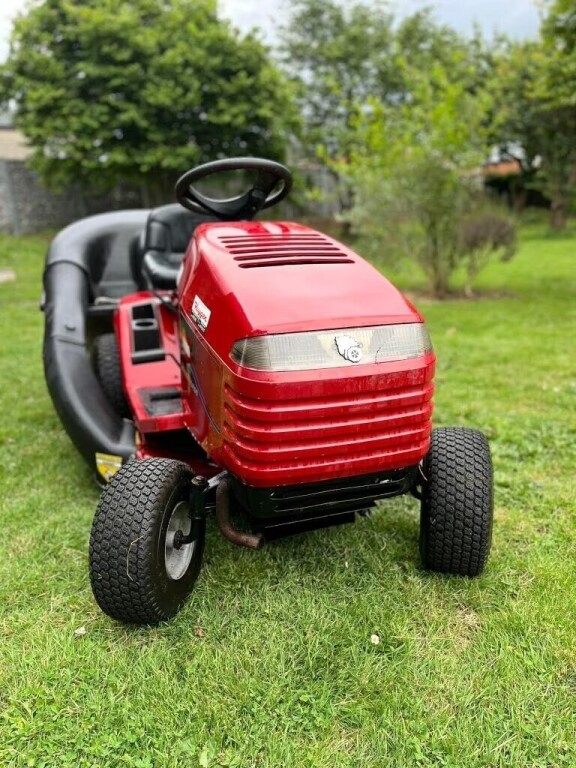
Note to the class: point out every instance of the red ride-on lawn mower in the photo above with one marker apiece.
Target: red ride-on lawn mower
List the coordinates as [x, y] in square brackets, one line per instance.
[260, 372]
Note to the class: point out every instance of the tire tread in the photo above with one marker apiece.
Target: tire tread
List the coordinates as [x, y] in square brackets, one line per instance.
[109, 372]
[457, 506]
[123, 541]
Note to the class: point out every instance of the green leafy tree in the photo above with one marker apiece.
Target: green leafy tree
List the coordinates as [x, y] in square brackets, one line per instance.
[555, 91]
[111, 90]
[340, 57]
[536, 106]
[414, 176]
[344, 57]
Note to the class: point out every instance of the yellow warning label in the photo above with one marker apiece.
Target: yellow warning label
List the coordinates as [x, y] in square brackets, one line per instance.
[107, 465]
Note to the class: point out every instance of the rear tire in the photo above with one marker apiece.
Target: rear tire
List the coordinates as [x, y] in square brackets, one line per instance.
[457, 502]
[138, 574]
[109, 372]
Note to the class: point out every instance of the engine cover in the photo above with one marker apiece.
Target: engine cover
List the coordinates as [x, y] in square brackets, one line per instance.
[273, 428]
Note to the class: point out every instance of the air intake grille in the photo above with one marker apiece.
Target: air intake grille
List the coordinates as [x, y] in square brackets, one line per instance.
[387, 428]
[275, 250]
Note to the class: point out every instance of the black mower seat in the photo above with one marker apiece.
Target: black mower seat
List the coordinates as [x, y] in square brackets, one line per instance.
[168, 232]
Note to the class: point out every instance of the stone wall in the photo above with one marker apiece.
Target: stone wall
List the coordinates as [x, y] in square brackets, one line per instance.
[27, 206]
[5, 214]
[30, 206]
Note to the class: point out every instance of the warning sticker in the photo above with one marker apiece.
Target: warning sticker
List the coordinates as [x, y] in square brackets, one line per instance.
[200, 313]
[107, 465]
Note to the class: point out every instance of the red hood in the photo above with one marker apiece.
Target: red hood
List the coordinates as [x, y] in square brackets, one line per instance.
[279, 277]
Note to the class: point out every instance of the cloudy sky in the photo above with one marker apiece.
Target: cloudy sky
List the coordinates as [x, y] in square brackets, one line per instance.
[517, 18]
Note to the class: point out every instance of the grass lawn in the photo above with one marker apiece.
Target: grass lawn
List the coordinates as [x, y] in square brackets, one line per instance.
[271, 662]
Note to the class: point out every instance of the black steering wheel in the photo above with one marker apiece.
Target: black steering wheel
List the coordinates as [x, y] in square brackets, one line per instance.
[244, 207]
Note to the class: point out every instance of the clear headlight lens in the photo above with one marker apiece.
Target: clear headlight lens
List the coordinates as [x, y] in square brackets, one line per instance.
[332, 349]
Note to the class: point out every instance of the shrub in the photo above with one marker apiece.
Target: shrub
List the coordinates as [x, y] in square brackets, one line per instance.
[484, 235]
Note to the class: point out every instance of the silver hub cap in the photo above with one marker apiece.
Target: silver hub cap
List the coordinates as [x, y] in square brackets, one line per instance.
[178, 560]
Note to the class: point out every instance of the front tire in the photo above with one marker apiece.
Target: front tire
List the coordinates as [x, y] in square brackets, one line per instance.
[138, 572]
[457, 502]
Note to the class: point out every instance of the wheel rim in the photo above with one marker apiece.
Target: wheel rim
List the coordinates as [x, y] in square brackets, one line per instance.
[177, 560]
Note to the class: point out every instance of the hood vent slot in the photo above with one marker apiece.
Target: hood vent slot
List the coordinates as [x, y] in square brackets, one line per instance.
[272, 250]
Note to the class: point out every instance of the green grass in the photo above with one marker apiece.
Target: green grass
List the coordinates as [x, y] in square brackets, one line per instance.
[271, 662]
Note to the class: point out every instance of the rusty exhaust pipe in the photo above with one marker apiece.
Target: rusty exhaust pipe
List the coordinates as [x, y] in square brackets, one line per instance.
[241, 539]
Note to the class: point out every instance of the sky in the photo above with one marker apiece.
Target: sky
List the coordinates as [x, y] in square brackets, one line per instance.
[516, 18]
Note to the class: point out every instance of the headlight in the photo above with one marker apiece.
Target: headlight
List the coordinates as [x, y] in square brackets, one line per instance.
[332, 349]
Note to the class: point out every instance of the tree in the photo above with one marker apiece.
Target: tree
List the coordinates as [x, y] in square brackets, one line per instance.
[347, 56]
[343, 55]
[340, 57]
[536, 107]
[413, 174]
[555, 90]
[108, 91]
